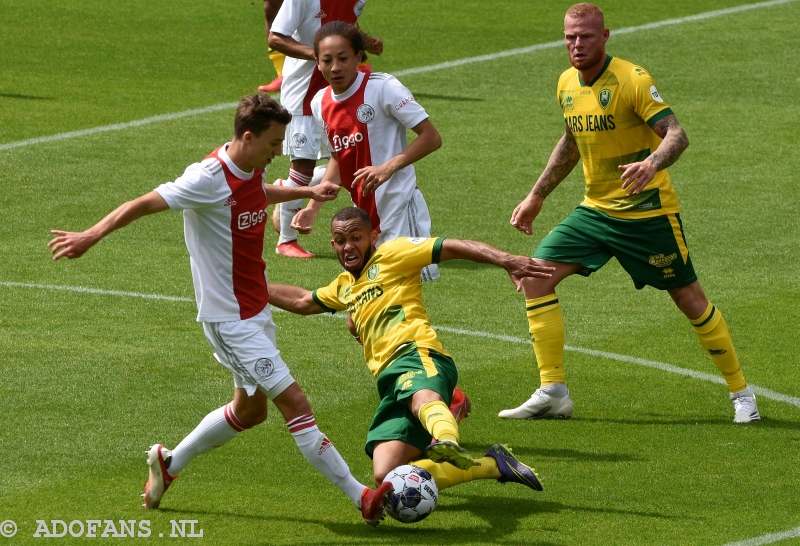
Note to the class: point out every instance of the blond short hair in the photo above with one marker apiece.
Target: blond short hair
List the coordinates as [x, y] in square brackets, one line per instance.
[585, 10]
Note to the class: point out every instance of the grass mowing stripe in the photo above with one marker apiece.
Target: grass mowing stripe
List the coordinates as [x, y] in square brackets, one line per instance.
[768, 539]
[400, 73]
[663, 366]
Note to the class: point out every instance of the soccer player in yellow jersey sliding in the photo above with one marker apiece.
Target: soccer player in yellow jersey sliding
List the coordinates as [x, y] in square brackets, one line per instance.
[382, 292]
[627, 136]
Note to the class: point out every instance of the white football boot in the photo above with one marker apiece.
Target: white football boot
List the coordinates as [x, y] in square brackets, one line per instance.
[744, 402]
[548, 402]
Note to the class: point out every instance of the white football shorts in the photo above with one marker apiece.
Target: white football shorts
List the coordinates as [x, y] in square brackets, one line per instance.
[247, 348]
[304, 140]
[413, 221]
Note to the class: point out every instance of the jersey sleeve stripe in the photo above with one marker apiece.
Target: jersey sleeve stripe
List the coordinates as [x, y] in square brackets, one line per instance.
[318, 302]
[661, 115]
[437, 250]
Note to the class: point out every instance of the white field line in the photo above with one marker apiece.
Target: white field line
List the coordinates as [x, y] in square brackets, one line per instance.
[399, 73]
[119, 126]
[95, 291]
[560, 43]
[662, 366]
[768, 539]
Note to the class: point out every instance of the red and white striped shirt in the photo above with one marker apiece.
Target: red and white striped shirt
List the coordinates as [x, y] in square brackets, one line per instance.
[224, 215]
[301, 19]
[366, 125]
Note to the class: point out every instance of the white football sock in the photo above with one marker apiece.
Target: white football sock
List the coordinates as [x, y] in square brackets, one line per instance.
[217, 428]
[321, 453]
[290, 208]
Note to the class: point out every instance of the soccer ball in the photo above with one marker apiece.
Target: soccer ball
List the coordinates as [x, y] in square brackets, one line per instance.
[415, 494]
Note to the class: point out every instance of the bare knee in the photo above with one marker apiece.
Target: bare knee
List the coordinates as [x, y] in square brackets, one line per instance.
[252, 415]
[250, 410]
[690, 299]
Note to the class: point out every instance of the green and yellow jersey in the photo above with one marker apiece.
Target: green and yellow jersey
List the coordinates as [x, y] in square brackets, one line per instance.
[611, 119]
[385, 302]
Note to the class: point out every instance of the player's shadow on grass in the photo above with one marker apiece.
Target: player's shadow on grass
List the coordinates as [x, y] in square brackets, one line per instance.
[23, 97]
[670, 420]
[532, 455]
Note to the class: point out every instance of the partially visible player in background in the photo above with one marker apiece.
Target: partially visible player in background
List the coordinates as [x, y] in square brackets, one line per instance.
[382, 292]
[292, 33]
[365, 117]
[271, 8]
[224, 202]
[627, 136]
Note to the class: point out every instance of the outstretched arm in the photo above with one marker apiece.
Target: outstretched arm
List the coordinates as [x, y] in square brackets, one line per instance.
[635, 176]
[294, 299]
[518, 267]
[74, 245]
[428, 140]
[563, 159]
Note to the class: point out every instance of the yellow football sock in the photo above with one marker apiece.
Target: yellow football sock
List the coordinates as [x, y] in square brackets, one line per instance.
[277, 59]
[436, 418]
[712, 330]
[447, 475]
[546, 325]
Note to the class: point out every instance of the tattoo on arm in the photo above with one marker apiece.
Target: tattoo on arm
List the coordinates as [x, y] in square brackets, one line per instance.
[563, 159]
[674, 143]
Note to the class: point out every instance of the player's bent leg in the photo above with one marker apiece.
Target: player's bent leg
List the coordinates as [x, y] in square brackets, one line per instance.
[300, 174]
[498, 464]
[712, 331]
[546, 327]
[389, 454]
[250, 411]
[216, 429]
[323, 455]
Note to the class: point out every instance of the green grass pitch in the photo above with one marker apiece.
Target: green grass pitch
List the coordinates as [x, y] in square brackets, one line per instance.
[90, 379]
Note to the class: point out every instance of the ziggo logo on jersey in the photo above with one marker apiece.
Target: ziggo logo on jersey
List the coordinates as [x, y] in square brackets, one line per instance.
[342, 143]
[251, 219]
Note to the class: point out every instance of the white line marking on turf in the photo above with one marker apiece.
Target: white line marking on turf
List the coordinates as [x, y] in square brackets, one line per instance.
[766, 393]
[119, 126]
[560, 43]
[399, 73]
[768, 539]
[96, 291]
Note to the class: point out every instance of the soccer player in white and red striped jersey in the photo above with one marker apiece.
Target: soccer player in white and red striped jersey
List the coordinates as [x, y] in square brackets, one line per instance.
[365, 117]
[292, 33]
[224, 201]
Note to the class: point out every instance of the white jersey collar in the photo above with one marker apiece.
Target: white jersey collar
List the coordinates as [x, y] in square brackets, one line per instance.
[350, 91]
[237, 172]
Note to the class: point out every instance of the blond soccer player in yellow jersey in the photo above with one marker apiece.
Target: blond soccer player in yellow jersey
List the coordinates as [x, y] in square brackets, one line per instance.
[627, 136]
[382, 292]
